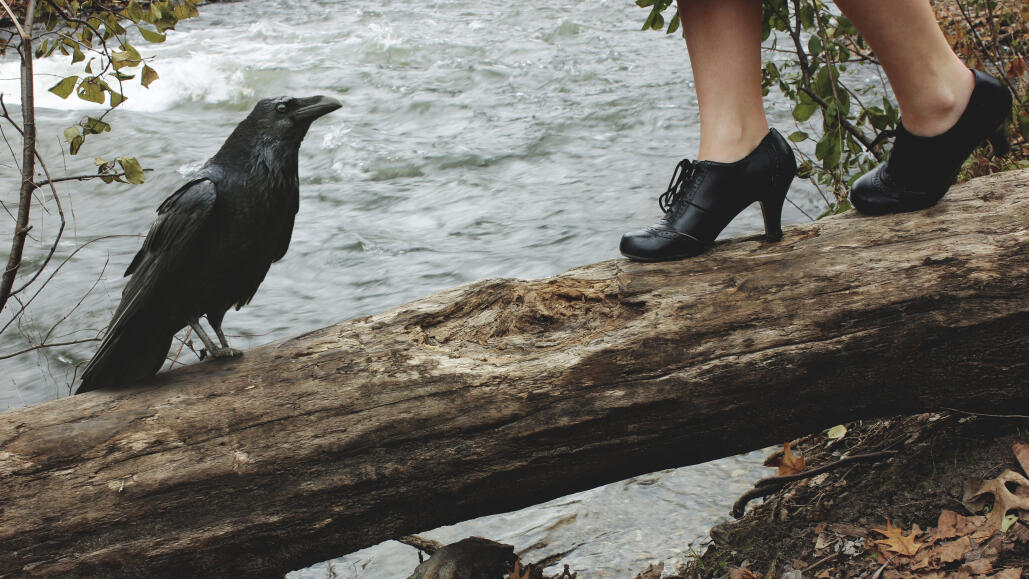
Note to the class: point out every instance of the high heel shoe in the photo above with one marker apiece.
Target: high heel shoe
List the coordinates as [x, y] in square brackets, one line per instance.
[919, 170]
[704, 196]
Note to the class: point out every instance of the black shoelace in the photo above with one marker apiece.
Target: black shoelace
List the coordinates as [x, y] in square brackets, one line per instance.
[677, 185]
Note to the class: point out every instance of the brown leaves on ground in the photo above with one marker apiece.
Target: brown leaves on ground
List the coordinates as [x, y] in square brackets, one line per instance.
[1003, 500]
[788, 463]
[965, 546]
[897, 541]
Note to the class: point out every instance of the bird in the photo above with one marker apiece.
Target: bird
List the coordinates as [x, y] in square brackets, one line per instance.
[211, 245]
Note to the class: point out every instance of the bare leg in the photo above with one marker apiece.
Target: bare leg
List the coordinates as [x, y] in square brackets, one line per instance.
[199, 331]
[225, 351]
[724, 42]
[930, 82]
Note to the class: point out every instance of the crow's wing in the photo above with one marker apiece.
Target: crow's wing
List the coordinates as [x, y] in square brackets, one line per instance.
[181, 218]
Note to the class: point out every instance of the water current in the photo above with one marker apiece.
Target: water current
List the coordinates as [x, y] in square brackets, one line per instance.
[478, 138]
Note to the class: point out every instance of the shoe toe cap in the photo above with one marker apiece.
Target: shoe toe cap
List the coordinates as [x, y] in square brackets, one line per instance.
[658, 244]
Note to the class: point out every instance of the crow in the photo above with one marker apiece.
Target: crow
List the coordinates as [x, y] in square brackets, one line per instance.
[211, 245]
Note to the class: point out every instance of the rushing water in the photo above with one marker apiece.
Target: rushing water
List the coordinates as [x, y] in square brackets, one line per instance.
[477, 139]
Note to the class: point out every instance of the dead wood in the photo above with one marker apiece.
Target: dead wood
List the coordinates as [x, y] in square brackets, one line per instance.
[506, 393]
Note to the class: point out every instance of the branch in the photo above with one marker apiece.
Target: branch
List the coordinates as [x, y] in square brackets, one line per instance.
[21, 228]
[82, 178]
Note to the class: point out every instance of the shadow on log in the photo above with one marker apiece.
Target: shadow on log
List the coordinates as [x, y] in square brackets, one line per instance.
[505, 393]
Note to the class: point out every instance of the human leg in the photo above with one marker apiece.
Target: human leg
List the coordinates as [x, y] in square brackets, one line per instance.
[740, 161]
[946, 109]
[723, 38]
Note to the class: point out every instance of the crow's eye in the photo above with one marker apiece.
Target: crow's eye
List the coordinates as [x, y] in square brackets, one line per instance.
[281, 107]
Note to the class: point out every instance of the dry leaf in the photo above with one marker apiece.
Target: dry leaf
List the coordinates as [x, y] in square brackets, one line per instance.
[954, 550]
[737, 573]
[978, 567]
[951, 524]
[1003, 499]
[1009, 574]
[897, 542]
[790, 463]
[1022, 455]
[1017, 67]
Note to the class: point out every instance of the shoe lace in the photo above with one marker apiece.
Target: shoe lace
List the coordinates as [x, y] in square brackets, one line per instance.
[677, 185]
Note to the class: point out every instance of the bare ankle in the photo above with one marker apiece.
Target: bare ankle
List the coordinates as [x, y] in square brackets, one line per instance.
[936, 111]
[730, 146]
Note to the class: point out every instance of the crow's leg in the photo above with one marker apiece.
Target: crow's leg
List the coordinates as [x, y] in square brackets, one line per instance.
[225, 351]
[199, 331]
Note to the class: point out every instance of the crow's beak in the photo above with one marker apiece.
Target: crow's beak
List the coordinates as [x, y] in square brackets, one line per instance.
[316, 106]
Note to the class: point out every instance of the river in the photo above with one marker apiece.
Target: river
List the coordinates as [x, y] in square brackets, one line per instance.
[477, 139]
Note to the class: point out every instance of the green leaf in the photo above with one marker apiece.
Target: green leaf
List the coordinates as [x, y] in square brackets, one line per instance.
[803, 111]
[71, 133]
[65, 86]
[76, 144]
[133, 171]
[95, 126]
[798, 136]
[674, 24]
[814, 45]
[91, 90]
[1007, 522]
[149, 75]
[151, 35]
[117, 98]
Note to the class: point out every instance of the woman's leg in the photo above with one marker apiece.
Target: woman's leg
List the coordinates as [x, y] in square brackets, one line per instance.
[740, 161]
[724, 42]
[947, 110]
[930, 82]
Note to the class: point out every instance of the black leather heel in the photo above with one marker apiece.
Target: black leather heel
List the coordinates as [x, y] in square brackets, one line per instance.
[703, 197]
[919, 170]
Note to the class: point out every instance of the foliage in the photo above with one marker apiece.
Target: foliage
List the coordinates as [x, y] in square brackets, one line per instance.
[826, 46]
[97, 35]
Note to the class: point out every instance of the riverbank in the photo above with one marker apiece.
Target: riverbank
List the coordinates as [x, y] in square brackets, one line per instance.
[831, 525]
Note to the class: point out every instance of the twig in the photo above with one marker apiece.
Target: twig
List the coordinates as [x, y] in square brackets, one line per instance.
[767, 486]
[14, 19]
[83, 178]
[1022, 416]
[53, 345]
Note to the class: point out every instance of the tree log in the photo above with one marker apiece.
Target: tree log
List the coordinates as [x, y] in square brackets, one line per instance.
[506, 393]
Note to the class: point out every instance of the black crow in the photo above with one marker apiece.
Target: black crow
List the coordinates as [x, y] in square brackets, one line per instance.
[211, 245]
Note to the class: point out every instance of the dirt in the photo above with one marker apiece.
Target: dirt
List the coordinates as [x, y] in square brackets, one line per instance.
[823, 526]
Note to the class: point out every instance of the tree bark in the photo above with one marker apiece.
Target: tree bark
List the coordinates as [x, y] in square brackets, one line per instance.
[505, 393]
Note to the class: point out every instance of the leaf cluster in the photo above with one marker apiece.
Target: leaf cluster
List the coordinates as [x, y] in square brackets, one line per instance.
[97, 34]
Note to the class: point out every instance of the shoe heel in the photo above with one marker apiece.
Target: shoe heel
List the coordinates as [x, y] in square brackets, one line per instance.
[999, 141]
[771, 207]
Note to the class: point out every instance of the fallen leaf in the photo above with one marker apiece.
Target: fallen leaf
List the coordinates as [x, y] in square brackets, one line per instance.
[954, 550]
[1022, 455]
[790, 463]
[1017, 67]
[1003, 499]
[837, 432]
[951, 524]
[978, 567]
[737, 573]
[1008, 573]
[897, 541]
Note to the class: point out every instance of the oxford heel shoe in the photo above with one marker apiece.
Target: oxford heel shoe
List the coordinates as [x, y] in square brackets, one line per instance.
[919, 170]
[704, 196]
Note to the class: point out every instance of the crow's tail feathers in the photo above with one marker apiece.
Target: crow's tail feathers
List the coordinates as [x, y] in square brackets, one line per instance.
[131, 350]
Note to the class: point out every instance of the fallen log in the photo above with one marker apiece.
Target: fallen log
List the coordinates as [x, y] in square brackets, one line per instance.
[505, 393]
